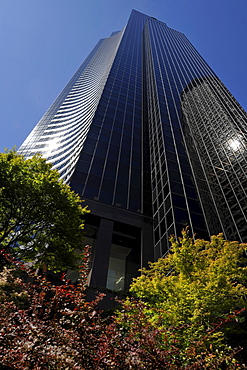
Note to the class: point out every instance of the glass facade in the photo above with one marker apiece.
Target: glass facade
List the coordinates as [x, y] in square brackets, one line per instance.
[148, 135]
[112, 149]
[60, 134]
[215, 132]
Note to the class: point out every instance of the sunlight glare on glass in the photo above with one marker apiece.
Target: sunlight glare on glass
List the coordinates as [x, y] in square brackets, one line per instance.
[234, 144]
[52, 144]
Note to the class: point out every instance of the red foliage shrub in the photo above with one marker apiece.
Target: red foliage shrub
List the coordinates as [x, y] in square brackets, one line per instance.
[59, 329]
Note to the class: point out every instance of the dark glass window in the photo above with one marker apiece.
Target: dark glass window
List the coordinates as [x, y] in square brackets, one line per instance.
[191, 192]
[125, 153]
[85, 157]
[111, 165]
[106, 197]
[90, 192]
[161, 212]
[77, 187]
[173, 166]
[169, 218]
[102, 145]
[188, 180]
[135, 193]
[91, 141]
[181, 216]
[134, 205]
[80, 176]
[88, 149]
[93, 180]
[176, 188]
[178, 201]
[197, 221]
[104, 138]
[110, 175]
[167, 203]
[125, 161]
[122, 189]
[100, 152]
[120, 200]
[82, 166]
[96, 170]
[194, 206]
[166, 189]
[123, 178]
[123, 169]
[93, 135]
[98, 161]
[186, 169]
[163, 227]
[114, 149]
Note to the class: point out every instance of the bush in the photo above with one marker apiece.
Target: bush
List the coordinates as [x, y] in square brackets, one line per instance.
[56, 328]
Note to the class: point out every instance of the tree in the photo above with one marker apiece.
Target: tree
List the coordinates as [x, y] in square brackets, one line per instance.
[40, 217]
[199, 283]
[54, 327]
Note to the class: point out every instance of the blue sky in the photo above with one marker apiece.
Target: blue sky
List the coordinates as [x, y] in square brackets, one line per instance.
[43, 42]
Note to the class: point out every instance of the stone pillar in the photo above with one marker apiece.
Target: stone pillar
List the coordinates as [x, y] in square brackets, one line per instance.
[102, 254]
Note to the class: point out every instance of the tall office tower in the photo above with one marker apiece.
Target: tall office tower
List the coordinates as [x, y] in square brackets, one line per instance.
[153, 141]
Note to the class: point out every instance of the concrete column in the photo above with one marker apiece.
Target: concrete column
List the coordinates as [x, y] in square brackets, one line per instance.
[102, 254]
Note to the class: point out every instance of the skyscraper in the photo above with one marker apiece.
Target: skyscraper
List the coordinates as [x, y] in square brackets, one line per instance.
[153, 141]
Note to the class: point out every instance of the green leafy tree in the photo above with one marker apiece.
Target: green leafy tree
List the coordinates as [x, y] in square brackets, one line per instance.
[40, 217]
[199, 283]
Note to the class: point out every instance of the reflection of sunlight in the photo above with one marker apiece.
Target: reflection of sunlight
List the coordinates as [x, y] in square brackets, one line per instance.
[234, 144]
[52, 144]
[119, 280]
